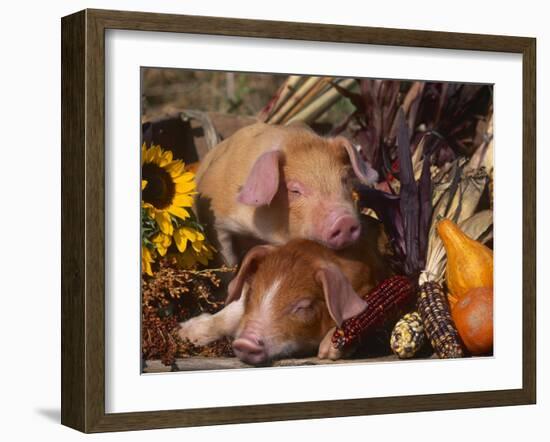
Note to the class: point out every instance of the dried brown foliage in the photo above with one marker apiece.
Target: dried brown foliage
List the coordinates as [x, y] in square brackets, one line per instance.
[174, 295]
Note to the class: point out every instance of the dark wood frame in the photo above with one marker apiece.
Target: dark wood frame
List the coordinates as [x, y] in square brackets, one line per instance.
[83, 215]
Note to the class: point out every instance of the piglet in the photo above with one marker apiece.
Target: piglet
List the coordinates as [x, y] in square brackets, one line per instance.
[268, 184]
[287, 300]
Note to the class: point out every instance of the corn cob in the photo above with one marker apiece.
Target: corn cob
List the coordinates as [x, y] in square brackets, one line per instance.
[408, 336]
[438, 324]
[386, 300]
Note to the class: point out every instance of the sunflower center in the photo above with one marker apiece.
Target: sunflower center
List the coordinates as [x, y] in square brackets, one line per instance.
[160, 189]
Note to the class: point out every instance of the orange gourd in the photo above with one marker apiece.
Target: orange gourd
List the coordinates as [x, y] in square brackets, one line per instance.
[473, 318]
[469, 263]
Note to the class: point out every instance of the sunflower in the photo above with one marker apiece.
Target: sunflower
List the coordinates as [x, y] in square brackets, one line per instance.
[166, 187]
[167, 219]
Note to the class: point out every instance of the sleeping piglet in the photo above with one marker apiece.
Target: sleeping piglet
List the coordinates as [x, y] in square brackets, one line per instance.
[286, 300]
[268, 184]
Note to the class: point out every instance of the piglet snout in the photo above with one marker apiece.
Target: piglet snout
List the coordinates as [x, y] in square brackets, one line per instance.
[343, 232]
[250, 349]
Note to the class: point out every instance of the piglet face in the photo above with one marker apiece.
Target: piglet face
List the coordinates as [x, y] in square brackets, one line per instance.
[318, 177]
[281, 320]
[320, 205]
[292, 298]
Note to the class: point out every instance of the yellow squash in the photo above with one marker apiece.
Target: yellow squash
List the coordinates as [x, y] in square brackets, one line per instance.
[469, 263]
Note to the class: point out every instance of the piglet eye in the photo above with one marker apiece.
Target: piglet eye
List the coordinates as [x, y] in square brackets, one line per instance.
[294, 191]
[294, 188]
[302, 306]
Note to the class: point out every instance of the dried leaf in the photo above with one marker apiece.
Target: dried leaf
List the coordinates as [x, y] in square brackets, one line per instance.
[387, 209]
[355, 98]
[409, 202]
[425, 216]
[483, 156]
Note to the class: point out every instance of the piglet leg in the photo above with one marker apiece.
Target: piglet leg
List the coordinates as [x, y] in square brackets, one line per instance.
[327, 350]
[207, 328]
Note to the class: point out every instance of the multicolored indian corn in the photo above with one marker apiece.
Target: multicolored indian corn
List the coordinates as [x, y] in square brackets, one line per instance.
[408, 336]
[438, 323]
[386, 300]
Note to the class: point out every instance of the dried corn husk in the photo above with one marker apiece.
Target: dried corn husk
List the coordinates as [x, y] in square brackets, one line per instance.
[483, 156]
[285, 91]
[321, 104]
[323, 85]
[295, 98]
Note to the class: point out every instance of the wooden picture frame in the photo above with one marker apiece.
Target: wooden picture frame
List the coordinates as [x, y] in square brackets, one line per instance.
[83, 220]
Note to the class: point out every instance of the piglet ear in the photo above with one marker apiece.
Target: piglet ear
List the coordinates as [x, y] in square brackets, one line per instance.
[342, 301]
[363, 170]
[247, 269]
[262, 182]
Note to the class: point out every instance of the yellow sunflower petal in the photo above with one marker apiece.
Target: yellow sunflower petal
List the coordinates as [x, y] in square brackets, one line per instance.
[164, 222]
[143, 184]
[185, 187]
[147, 268]
[180, 240]
[149, 154]
[145, 154]
[182, 201]
[165, 158]
[147, 258]
[151, 211]
[162, 242]
[162, 250]
[184, 178]
[189, 233]
[204, 255]
[143, 150]
[175, 168]
[180, 212]
[156, 154]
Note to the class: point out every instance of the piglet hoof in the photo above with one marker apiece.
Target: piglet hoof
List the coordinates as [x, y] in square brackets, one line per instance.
[200, 330]
[327, 350]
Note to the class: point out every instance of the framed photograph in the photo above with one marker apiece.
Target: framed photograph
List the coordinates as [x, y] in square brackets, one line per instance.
[266, 221]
